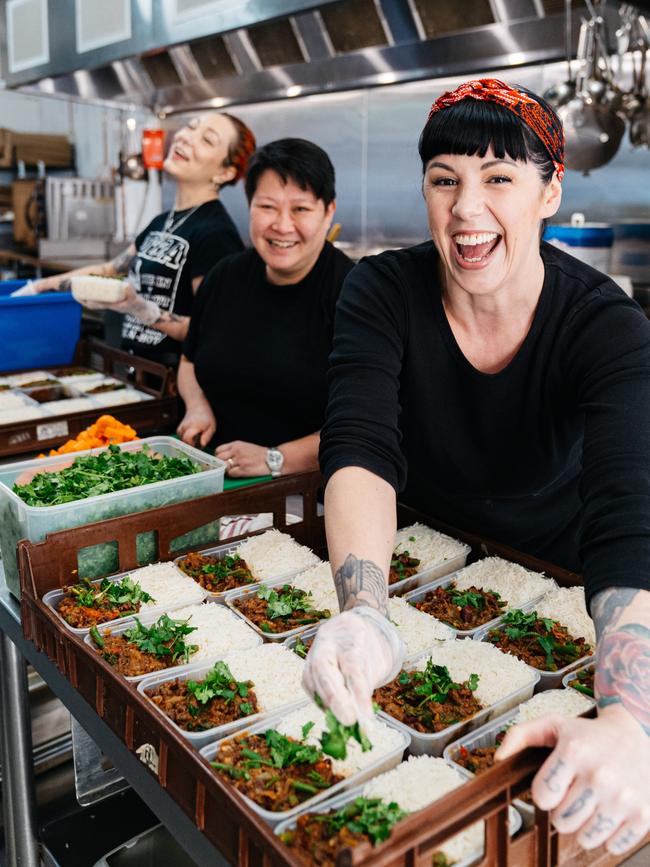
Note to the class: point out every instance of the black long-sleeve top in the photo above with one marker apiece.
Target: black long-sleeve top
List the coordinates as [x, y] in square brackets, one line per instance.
[551, 455]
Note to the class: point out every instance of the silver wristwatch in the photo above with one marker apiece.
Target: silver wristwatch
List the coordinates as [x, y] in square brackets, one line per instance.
[274, 461]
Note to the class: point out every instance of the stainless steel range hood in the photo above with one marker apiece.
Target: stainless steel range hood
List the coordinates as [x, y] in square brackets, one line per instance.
[173, 55]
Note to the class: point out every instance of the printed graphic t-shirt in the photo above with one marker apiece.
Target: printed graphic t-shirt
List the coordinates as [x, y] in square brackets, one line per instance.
[173, 250]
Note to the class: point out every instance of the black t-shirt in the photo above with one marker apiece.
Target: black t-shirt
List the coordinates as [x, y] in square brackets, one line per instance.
[551, 455]
[260, 350]
[171, 253]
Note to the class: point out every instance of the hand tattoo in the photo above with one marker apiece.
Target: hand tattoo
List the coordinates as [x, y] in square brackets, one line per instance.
[170, 317]
[627, 840]
[578, 804]
[122, 262]
[548, 779]
[623, 656]
[361, 582]
[64, 285]
[600, 826]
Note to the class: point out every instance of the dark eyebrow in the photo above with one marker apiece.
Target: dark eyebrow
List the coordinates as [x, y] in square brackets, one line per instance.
[489, 164]
[496, 162]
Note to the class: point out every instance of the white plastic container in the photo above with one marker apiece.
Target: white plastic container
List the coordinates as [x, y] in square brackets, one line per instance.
[547, 679]
[222, 551]
[20, 521]
[305, 636]
[430, 574]
[233, 595]
[197, 671]
[147, 621]
[568, 679]
[54, 597]
[385, 763]
[340, 801]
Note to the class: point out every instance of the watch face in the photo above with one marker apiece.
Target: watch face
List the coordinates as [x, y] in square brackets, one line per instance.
[274, 459]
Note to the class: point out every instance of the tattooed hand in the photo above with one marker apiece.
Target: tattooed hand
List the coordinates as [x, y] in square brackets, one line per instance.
[358, 650]
[596, 780]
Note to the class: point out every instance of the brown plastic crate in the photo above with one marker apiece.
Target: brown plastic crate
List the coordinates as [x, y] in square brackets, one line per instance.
[218, 810]
[159, 414]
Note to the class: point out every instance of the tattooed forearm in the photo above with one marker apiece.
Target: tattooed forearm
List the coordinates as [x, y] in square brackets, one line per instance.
[122, 261]
[361, 582]
[578, 804]
[623, 654]
[65, 285]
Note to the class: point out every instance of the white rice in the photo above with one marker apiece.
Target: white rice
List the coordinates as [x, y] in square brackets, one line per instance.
[418, 630]
[319, 582]
[427, 545]
[169, 586]
[273, 554]
[88, 382]
[82, 381]
[23, 413]
[566, 702]
[18, 379]
[68, 405]
[499, 673]
[418, 782]
[383, 738]
[9, 400]
[91, 287]
[567, 606]
[276, 673]
[121, 396]
[512, 582]
[218, 631]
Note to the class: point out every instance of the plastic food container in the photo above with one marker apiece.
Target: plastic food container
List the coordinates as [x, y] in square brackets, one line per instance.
[567, 680]
[305, 636]
[232, 596]
[385, 763]
[147, 621]
[340, 801]
[423, 744]
[222, 551]
[20, 521]
[431, 573]
[54, 597]
[547, 679]
[197, 671]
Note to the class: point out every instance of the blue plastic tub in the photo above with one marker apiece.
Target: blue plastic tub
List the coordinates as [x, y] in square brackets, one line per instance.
[37, 330]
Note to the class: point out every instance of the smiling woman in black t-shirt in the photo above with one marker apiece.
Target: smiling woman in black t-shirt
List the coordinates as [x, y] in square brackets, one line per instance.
[254, 369]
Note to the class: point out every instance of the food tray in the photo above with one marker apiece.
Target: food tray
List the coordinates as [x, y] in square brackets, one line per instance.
[232, 595]
[308, 633]
[196, 671]
[567, 680]
[421, 592]
[385, 763]
[54, 597]
[547, 679]
[434, 744]
[147, 620]
[221, 551]
[158, 411]
[431, 573]
[20, 521]
[342, 800]
[226, 820]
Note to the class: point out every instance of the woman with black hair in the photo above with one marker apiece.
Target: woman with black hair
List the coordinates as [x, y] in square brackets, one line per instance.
[503, 386]
[253, 373]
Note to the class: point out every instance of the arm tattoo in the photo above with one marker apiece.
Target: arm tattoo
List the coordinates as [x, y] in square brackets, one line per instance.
[165, 316]
[578, 804]
[623, 655]
[65, 285]
[601, 825]
[361, 582]
[122, 261]
[548, 779]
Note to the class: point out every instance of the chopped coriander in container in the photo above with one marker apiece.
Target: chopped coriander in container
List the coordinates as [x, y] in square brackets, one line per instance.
[41, 496]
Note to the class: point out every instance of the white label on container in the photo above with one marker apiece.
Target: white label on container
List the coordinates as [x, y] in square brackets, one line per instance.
[49, 431]
[148, 756]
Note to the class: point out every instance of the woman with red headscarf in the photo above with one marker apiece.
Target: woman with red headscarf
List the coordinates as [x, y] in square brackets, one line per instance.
[504, 386]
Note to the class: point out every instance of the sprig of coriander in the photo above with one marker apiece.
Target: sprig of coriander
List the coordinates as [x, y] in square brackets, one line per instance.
[334, 740]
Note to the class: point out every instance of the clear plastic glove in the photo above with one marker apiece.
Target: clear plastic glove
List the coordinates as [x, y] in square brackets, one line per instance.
[352, 654]
[28, 289]
[140, 308]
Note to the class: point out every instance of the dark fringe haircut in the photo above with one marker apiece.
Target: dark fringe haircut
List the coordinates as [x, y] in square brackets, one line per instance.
[470, 126]
[297, 159]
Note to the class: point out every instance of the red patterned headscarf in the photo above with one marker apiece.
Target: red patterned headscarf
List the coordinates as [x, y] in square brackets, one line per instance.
[545, 124]
[242, 149]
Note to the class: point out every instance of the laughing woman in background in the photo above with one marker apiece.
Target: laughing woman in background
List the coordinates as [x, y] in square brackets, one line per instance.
[254, 371]
[168, 260]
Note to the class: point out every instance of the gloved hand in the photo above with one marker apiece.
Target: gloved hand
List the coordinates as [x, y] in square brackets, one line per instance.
[28, 289]
[352, 654]
[45, 284]
[140, 308]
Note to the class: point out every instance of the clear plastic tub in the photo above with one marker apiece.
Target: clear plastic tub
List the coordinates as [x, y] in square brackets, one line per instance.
[232, 595]
[421, 592]
[54, 597]
[197, 671]
[342, 800]
[547, 679]
[567, 680]
[305, 636]
[147, 621]
[222, 551]
[385, 763]
[431, 573]
[20, 521]
[423, 744]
